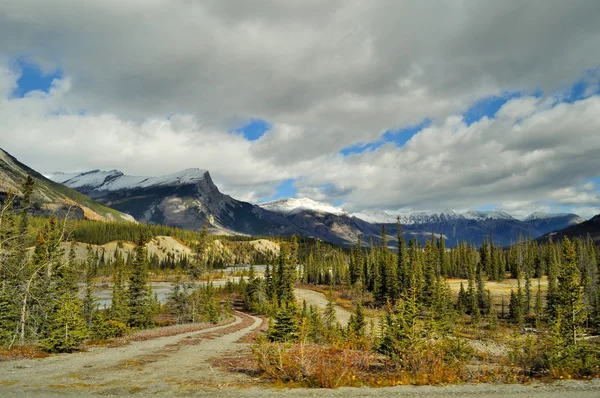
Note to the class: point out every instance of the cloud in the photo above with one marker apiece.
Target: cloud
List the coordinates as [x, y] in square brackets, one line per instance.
[152, 87]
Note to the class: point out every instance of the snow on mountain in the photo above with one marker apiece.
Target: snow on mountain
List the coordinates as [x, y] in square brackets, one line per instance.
[544, 216]
[292, 206]
[375, 217]
[60, 177]
[114, 180]
[428, 217]
[484, 215]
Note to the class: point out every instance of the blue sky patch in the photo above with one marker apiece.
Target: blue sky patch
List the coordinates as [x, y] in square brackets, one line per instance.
[33, 78]
[487, 106]
[398, 137]
[286, 189]
[253, 130]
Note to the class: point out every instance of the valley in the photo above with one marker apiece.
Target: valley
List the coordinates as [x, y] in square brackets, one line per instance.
[207, 293]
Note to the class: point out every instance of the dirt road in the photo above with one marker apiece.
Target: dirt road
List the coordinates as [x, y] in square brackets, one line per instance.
[164, 365]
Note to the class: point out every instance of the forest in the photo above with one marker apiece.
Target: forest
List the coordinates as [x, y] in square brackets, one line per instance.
[420, 315]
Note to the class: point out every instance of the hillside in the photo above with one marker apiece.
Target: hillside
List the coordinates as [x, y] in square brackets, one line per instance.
[50, 197]
[587, 228]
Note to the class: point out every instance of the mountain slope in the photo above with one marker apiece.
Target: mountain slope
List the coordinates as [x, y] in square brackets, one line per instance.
[587, 228]
[187, 199]
[552, 222]
[50, 197]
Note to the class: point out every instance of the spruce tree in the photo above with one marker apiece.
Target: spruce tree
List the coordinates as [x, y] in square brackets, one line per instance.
[569, 303]
[67, 329]
[357, 324]
[119, 310]
[285, 326]
[138, 300]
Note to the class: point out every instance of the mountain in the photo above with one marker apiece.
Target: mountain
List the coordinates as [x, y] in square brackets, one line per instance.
[188, 199]
[425, 217]
[552, 222]
[48, 196]
[587, 228]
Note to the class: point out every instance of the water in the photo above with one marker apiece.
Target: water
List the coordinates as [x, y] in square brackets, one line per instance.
[162, 290]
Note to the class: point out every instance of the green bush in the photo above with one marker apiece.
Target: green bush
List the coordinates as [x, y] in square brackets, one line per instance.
[108, 329]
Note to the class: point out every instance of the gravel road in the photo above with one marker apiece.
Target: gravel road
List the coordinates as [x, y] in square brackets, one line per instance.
[164, 365]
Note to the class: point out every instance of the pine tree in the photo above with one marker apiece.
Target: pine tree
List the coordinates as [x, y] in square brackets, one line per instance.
[356, 264]
[569, 303]
[90, 307]
[211, 310]
[9, 317]
[285, 327]
[119, 310]
[402, 262]
[329, 315]
[284, 286]
[481, 296]
[67, 328]
[516, 306]
[138, 300]
[538, 305]
[553, 267]
[357, 324]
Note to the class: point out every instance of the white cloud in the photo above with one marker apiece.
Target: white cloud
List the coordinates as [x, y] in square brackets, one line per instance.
[326, 75]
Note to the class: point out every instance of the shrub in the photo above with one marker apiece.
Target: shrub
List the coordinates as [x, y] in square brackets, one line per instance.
[108, 329]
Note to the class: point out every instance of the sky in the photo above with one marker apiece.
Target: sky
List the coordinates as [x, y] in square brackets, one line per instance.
[386, 105]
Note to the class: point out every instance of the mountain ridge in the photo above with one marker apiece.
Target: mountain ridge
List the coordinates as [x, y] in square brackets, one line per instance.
[189, 199]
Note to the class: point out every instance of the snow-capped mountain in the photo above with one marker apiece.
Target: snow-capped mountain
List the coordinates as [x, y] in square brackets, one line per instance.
[375, 217]
[292, 206]
[426, 217]
[544, 216]
[189, 199]
[115, 180]
[548, 222]
[587, 228]
[485, 215]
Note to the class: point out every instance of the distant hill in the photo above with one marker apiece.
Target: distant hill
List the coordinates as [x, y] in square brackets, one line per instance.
[50, 197]
[587, 228]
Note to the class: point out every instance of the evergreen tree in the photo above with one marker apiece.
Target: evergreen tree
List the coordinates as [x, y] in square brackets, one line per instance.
[284, 287]
[516, 306]
[90, 307]
[553, 267]
[285, 327]
[211, 304]
[402, 262]
[569, 302]
[538, 305]
[119, 310]
[357, 324]
[138, 299]
[67, 328]
[329, 315]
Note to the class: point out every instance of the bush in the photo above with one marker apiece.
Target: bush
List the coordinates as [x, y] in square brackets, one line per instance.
[108, 329]
[67, 329]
